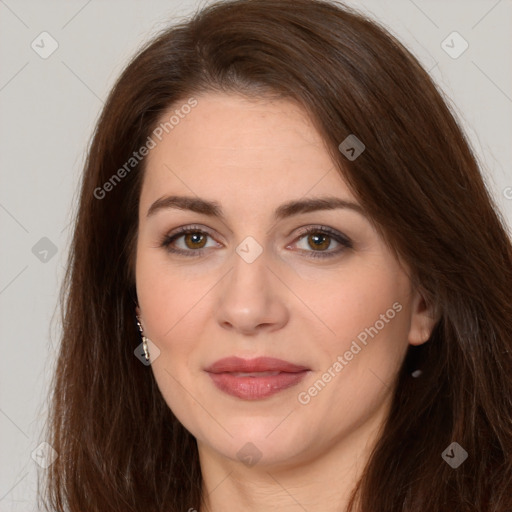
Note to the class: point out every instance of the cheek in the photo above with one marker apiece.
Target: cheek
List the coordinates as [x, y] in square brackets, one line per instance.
[357, 301]
[355, 379]
[173, 310]
[368, 312]
[166, 294]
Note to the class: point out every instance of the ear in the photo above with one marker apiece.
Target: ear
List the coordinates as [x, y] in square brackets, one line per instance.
[137, 310]
[423, 319]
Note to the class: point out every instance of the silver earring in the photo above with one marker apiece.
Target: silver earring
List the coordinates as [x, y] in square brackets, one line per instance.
[144, 340]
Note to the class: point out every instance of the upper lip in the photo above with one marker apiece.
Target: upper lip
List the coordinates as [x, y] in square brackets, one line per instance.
[259, 364]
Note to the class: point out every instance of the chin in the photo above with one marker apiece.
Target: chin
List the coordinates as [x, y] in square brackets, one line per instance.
[260, 441]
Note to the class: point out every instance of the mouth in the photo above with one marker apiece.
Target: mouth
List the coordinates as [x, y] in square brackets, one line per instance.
[255, 379]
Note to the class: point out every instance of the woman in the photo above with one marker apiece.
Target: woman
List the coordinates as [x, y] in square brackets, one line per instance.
[288, 286]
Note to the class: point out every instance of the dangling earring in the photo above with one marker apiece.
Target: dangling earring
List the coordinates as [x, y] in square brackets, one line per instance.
[144, 340]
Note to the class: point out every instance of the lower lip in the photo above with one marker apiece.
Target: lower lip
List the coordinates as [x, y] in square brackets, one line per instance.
[256, 388]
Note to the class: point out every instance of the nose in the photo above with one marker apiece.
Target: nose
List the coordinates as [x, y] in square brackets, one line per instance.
[251, 299]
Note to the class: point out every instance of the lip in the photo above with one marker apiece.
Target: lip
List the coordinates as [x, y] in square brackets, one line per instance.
[230, 376]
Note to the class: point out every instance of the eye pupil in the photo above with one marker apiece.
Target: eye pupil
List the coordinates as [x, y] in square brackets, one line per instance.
[320, 241]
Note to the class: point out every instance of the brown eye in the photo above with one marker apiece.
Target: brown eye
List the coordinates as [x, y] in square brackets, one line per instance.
[188, 241]
[319, 241]
[322, 242]
[196, 240]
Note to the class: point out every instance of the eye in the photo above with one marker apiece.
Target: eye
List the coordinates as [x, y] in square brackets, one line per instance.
[189, 241]
[316, 240]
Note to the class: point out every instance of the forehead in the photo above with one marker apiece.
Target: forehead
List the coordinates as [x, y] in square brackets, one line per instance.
[257, 149]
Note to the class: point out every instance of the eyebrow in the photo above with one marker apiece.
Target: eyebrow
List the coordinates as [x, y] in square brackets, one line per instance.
[288, 209]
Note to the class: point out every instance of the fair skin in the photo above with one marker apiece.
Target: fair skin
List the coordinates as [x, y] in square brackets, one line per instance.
[251, 156]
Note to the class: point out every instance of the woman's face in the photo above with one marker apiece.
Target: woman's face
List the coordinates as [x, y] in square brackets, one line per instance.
[280, 262]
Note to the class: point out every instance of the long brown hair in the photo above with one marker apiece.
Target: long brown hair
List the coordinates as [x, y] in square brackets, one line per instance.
[120, 447]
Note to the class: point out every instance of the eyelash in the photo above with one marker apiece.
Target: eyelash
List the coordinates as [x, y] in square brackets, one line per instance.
[344, 241]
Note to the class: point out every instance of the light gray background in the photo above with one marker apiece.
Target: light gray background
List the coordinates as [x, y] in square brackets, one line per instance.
[48, 111]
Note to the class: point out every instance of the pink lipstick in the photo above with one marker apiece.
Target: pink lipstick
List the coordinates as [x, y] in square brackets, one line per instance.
[255, 379]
